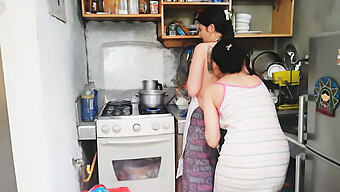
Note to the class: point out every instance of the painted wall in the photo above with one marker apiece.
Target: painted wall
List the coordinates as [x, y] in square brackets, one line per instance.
[311, 17]
[45, 69]
[163, 61]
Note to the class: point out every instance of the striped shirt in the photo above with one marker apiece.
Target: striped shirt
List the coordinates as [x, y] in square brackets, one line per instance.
[255, 154]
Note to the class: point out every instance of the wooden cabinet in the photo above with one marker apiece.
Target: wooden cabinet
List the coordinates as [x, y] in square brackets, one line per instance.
[274, 18]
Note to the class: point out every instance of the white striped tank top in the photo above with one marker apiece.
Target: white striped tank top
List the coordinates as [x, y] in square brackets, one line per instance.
[255, 154]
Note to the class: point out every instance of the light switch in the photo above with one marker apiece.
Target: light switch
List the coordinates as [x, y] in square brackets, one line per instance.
[57, 9]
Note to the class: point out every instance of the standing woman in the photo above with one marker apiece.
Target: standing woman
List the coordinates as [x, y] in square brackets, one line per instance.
[255, 153]
[198, 160]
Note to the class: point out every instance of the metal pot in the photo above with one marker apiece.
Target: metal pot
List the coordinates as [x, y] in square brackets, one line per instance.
[151, 98]
[151, 85]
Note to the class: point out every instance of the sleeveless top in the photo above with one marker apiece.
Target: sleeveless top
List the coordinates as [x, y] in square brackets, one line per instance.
[255, 154]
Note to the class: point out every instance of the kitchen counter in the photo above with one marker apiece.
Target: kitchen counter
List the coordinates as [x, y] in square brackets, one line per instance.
[87, 131]
[179, 120]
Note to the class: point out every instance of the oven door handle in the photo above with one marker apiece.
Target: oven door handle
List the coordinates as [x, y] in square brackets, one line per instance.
[135, 142]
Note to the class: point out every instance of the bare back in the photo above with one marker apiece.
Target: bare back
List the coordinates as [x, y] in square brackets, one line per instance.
[199, 76]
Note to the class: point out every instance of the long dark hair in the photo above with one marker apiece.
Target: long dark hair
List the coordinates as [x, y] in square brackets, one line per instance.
[231, 56]
[218, 17]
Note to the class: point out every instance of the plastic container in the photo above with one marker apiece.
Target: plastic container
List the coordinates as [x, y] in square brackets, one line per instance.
[87, 107]
[284, 78]
[95, 99]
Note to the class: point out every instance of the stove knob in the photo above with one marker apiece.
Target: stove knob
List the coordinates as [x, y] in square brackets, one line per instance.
[155, 126]
[116, 128]
[136, 127]
[105, 128]
[166, 125]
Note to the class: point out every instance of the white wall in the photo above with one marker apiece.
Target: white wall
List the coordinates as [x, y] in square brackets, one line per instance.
[44, 69]
[99, 33]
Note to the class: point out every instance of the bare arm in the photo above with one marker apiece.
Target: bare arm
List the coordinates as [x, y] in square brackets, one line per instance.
[212, 99]
[194, 82]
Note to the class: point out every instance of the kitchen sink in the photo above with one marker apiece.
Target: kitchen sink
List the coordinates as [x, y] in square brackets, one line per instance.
[289, 121]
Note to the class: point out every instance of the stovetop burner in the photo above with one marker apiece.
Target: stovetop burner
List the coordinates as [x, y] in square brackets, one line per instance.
[117, 108]
[159, 110]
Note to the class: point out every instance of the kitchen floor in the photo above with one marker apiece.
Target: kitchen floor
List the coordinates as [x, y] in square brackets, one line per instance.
[289, 185]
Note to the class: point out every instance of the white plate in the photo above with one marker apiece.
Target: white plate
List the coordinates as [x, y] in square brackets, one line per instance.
[274, 68]
[248, 32]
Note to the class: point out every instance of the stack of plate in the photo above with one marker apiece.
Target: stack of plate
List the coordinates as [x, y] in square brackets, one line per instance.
[242, 22]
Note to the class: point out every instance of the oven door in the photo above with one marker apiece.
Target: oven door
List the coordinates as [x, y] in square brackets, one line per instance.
[140, 163]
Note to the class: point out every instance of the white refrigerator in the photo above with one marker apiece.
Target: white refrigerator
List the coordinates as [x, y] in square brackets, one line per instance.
[318, 169]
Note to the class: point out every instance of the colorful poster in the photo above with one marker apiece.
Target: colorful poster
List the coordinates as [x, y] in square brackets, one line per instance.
[326, 94]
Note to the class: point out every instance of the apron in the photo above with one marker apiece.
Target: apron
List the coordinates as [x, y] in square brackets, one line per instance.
[193, 105]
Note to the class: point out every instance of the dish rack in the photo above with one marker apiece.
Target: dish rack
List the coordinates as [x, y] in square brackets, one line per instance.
[286, 79]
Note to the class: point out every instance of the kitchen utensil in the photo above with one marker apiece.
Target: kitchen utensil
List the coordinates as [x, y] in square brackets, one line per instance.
[291, 55]
[262, 61]
[151, 85]
[151, 98]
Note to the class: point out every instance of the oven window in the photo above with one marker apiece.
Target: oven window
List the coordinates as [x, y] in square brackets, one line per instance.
[136, 169]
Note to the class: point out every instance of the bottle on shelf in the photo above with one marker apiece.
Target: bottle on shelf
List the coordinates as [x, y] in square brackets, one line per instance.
[116, 11]
[100, 5]
[87, 108]
[94, 6]
[172, 30]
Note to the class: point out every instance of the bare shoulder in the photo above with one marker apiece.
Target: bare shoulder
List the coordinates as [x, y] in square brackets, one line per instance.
[215, 92]
[203, 47]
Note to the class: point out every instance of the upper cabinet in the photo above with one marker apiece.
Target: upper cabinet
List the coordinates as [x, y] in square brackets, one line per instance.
[270, 18]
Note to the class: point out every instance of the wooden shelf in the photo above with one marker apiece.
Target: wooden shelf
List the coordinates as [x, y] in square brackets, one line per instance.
[279, 23]
[136, 17]
[180, 37]
[261, 35]
[195, 3]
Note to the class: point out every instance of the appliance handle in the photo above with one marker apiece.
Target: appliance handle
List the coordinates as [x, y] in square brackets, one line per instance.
[134, 141]
[301, 122]
[299, 159]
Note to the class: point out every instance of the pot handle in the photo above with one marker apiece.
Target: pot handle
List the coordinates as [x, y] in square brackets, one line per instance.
[160, 86]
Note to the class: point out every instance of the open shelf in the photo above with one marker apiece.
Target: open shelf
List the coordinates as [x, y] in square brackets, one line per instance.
[273, 17]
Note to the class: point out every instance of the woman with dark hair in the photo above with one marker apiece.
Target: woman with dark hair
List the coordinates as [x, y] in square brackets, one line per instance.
[255, 153]
[198, 160]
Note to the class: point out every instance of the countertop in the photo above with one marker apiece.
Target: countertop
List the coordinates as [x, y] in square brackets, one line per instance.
[173, 109]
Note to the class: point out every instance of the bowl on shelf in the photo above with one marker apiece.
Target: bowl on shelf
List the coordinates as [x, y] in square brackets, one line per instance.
[245, 16]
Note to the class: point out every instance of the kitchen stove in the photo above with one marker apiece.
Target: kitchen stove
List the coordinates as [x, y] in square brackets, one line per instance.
[136, 147]
[117, 108]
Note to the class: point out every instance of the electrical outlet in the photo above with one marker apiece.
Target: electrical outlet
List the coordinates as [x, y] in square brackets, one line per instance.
[57, 9]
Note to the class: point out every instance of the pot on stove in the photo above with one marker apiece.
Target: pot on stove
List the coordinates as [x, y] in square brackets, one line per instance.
[151, 98]
[151, 85]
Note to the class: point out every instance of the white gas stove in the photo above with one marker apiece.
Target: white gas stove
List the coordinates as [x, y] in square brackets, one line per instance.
[136, 147]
